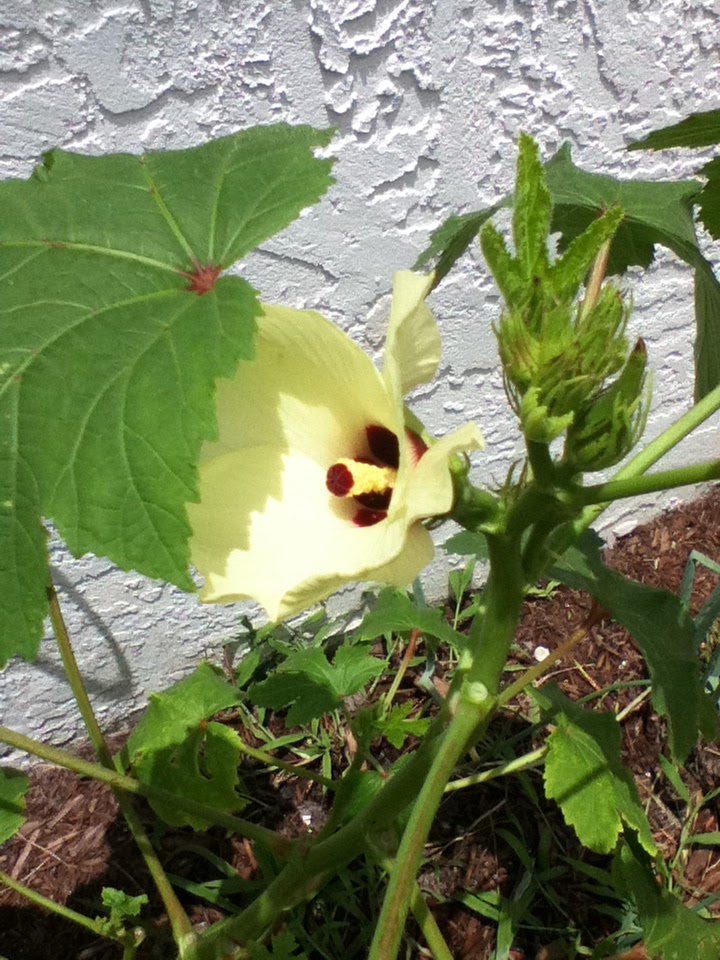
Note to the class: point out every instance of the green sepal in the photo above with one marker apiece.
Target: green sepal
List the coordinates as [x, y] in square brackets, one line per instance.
[532, 209]
[608, 429]
[538, 422]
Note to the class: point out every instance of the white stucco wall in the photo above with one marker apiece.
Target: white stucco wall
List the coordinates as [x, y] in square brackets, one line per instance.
[427, 97]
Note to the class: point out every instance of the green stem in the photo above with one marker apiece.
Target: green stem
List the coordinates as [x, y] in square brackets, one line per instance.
[473, 695]
[540, 669]
[516, 765]
[492, 632]
[119, 781]
[425, 920]
[428, 927]
[648, 483]
[292, 768]
[94, 926]
[541, 462]
[72, 672]
[391, 923]
[179, 920]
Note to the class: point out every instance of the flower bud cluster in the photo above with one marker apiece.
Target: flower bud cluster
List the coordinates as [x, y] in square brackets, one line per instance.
[558, 357]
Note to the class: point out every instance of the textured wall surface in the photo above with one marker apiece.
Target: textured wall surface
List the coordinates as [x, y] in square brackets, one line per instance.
[427, 97]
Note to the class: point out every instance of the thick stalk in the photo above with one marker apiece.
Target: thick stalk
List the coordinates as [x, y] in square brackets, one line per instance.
[179, 920]
[474, 704]
[120, 781]
[492, 633]
[541, 462]
[402, 886]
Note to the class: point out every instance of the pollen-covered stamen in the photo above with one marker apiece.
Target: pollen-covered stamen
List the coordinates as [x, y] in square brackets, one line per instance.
[369, 484]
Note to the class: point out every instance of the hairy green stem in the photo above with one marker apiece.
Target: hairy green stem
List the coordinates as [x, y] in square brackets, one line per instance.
[94, 926]
[541, 462]
[120, 781]
[492, 631]
[179, 920]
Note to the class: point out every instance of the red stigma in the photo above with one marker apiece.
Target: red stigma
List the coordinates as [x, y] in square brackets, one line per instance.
[368, 518]
[339, 480]
[383, 445]
[202, 279]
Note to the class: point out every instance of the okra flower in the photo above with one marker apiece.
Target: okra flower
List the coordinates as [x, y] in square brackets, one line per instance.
[314, 480]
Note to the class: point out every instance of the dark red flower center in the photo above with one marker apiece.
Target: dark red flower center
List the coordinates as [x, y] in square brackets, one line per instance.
[369, 477]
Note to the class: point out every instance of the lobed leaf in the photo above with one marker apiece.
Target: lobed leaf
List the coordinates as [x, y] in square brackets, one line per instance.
[304, 698]
[113, 330]
[395, 612]
[698, 130]
[709, 199]
[663, 631]
[452, 238]
[174, 747]
[353, 667]
[584, 775]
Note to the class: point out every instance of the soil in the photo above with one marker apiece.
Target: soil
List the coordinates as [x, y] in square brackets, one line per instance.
[74, 843]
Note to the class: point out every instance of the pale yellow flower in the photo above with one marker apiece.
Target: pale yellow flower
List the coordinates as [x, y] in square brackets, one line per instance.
[310, 415]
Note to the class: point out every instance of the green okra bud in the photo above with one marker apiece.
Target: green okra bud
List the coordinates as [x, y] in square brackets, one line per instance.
[611, 424]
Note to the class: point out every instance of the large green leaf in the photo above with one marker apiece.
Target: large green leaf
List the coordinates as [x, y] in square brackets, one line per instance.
[655, 211]
[697, 130]
[113, 330]
[662, 630]
[584, 775]
[709, 199]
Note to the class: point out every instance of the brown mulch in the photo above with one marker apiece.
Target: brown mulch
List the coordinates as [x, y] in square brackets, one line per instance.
[74, 843]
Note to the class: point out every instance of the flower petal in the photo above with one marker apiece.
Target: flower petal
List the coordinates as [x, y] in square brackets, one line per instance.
[310, 388]
[412, 347]
[429, 490]
[267, 529]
